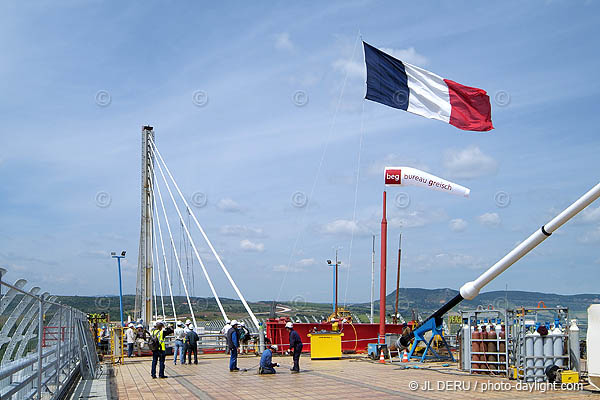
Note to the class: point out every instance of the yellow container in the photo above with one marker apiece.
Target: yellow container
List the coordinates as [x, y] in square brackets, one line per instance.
[325, 345]
[569, 377]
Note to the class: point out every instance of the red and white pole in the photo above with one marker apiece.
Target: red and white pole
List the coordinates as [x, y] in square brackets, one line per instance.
[382, 274]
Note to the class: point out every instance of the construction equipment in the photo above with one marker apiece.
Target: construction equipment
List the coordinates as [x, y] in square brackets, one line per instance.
[471, 289]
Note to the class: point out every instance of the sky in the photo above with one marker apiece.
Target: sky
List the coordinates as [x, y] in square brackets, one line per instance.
[258, 111]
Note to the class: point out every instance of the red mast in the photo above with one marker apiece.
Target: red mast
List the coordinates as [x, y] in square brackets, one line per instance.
[382, 275]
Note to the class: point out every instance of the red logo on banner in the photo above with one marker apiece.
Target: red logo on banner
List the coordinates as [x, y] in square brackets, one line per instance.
[393, 176]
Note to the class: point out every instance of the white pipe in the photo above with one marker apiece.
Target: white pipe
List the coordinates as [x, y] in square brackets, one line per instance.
[471, 289]
[237, 290]
[212, 288]
[162, 206]
[162, 246]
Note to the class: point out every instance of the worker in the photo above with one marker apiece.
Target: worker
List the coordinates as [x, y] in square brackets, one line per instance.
[233, 342]
[130, 335]
[267, 366]
[157, 345]
[141, 336]
[226, 327]
[191, 346]
[244, 337]
[295, 346]
[179, 339]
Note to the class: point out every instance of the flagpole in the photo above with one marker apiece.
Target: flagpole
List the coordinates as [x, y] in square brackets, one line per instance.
[382, 273]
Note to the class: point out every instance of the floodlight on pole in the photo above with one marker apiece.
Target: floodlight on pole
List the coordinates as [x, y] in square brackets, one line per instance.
[114, 255]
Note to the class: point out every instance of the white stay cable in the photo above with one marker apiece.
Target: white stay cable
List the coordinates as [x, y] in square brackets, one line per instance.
[194, 247]
[154, 289]
[162, 301]
[162, 206]
[237, 290]
[162, 246]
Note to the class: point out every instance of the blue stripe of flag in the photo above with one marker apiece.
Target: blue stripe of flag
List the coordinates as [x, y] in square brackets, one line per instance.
[387, 82]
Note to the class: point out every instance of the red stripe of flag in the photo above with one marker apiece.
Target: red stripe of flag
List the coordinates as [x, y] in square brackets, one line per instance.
[471, 108]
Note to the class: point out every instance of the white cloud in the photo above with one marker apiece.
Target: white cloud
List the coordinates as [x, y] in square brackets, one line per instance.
[415, 219]
[286, 268]
[441, 261]
[344, 227]
[241, 230]
[408, 55]
[228, 205]
[469, 163]
[458, 225]
[298, 266]
[283, 42]
[394, 160]
[354, 69]
[306, 262]
[592, 236]
[489, 219]
[590, 215]
[247, 245]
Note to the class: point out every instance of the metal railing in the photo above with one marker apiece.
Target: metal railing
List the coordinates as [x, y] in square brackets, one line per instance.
[44, 345]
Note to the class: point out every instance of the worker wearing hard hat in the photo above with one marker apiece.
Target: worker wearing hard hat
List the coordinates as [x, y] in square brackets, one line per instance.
[157, 345]
[233, 342]
[227, 327]
[179, 339]
[295, 346]
[130, 335]
[267, 366]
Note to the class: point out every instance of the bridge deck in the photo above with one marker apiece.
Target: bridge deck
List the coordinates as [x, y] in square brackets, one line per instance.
[349, 378]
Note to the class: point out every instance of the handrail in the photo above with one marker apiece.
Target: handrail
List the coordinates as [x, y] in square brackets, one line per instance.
[36, 371]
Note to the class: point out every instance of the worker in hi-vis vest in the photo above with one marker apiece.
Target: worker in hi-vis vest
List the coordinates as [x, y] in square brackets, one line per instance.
[157, 345]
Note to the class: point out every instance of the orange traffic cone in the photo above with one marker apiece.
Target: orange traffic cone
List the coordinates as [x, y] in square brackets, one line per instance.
[405, 356]
[381, 358]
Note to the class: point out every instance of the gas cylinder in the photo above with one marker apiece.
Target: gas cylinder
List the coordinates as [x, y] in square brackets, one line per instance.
[538, 353]
[492, 348]
[574, 351]
[475, 347]
[483, 347]
[466, 348]
[502, 347]
[548, 341]
[529, 370]
[558, 344]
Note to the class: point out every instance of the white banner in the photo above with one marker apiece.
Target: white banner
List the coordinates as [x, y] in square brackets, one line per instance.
[407, 176]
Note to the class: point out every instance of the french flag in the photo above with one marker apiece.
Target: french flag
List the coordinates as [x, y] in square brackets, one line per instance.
[413, 89]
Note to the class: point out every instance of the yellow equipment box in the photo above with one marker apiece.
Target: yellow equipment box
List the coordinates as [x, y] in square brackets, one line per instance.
[569, 377]
[327, 345]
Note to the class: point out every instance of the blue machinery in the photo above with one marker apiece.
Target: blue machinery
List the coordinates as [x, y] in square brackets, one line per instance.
[419, 335]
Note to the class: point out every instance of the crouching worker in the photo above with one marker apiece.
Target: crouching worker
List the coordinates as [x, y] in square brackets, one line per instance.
[267, 366]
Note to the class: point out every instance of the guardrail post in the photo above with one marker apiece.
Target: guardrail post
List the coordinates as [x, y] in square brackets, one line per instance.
[70, 348]
[39, 346]
[58, 358]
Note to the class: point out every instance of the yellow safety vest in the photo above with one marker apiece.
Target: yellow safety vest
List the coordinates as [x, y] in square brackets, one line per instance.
[160, 336]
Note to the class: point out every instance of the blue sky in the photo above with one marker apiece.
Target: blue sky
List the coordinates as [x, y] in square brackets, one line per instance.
[282, 122]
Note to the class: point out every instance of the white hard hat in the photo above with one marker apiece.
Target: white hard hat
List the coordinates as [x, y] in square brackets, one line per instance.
[228, 321]
[234, 322]
[179, 323]
[139, 326]
[242, 323]
[187, 321]
[130, 325]
[289, 324]
[274, 347]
